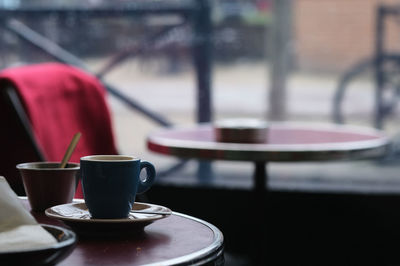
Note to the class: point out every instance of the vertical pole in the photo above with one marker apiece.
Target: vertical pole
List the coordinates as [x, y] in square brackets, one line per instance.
[379, 79]
[260, 179]
[203, 60]
[280, 43]
[261, 209]
[203, 66]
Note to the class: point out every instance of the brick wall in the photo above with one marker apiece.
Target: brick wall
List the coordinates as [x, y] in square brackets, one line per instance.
[331, 35]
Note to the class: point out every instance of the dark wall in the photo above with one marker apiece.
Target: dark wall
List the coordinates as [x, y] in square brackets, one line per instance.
[298, 228]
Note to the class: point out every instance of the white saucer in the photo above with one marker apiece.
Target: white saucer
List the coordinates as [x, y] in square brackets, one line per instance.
[76, 215]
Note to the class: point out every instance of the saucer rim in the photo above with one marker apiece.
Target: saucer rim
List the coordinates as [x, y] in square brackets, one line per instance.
[53, 214]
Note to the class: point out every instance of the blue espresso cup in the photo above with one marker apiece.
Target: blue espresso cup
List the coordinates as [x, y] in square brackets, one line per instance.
[110, 184]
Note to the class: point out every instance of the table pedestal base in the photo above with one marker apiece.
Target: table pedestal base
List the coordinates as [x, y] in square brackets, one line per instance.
[260, 177]
[260, 210]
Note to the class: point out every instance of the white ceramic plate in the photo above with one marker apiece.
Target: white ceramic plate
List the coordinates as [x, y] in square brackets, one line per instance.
[76, 215]
[43, 256]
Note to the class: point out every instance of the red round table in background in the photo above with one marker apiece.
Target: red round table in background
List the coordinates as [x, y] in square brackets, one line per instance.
[286, 142]
[178, 239]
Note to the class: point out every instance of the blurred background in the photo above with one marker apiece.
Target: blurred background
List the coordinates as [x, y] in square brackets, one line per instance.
[303, 60]
[288, 61]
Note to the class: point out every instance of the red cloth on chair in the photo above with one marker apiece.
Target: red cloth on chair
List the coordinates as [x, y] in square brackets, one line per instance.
[61, 100]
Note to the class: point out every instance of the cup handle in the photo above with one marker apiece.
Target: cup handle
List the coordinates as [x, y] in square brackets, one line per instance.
[150, 177]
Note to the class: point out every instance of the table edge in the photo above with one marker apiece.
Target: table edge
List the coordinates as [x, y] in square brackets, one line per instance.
[207, 254]
[363, 149]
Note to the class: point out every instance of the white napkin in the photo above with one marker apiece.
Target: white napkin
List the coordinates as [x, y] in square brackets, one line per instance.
[18, 229]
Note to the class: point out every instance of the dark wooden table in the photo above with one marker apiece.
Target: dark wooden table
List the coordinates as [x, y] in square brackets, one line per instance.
[286, 142]
[176, 240]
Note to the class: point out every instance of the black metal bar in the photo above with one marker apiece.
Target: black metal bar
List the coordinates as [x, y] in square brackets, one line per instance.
[390, 10]
[61, 55]
[202, 53]
[379, 75]
[137, 106]
[50, 48]
[144, 46]
[132, 8]
[12, 98]
[202, 56]
[179, 165]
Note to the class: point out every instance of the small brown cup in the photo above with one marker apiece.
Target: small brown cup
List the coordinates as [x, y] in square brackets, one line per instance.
[47, 185]
[241, 131]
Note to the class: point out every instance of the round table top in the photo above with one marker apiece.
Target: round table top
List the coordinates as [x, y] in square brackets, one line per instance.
[285, 142]
[176, 239]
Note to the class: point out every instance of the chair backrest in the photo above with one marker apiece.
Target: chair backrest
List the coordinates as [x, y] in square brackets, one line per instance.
[16, 139]
[42, 107]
